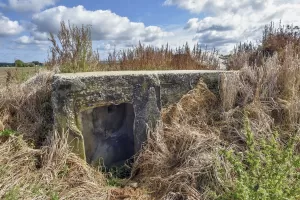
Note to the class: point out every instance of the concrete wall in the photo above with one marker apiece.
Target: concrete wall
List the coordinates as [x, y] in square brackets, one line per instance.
[107, 114]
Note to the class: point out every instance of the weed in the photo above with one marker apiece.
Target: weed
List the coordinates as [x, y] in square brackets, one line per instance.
[7, 133]
[54, 196]
[72, 50]
[64, 171]
[13, 194]
[116, 174]
[268, 169]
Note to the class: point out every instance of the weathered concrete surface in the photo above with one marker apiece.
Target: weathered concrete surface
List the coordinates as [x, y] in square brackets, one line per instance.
[106, 113]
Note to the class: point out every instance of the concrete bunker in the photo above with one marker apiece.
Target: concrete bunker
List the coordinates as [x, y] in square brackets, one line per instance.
[108, 134]
[107, 114]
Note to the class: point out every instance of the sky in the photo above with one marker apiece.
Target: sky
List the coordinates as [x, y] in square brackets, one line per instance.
[25, 24]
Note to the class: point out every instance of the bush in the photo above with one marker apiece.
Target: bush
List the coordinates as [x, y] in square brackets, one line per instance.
[268, 169]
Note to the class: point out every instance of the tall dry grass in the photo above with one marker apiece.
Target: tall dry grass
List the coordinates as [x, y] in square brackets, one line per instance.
[274, 40]
[52, 172]
[143, 57]
[26, 107]
[71, 51]
[181, 159]
[37, 163]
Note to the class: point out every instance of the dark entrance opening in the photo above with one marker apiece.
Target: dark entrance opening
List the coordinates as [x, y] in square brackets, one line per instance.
[108, 134]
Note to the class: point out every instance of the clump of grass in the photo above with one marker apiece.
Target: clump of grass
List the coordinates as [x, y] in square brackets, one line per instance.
[72, 50]
[29, 173]
[19, 75]
[26, 108]
[7, 133]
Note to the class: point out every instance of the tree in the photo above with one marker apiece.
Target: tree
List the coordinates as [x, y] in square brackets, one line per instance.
[19, 63]
[36, 62]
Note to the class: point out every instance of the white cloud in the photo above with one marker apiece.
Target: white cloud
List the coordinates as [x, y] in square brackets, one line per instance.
[230, 22]
[28, 40]
[9, 27]
[28, 5]
[106, 25]
[217, 6]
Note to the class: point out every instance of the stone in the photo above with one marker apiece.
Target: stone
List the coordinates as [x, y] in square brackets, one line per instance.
[106, 115]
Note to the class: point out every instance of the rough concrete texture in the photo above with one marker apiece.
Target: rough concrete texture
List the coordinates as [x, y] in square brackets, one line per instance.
[107, 114]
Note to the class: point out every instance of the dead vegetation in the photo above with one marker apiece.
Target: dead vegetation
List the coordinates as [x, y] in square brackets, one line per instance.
[35, 162]
[72, 51]
[181, 159]
[51, 172]
[273, 41]
[149, 57]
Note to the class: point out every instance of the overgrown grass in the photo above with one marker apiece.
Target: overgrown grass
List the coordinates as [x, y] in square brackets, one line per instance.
[72, 51]
[182, 157]
[149, 57]
[274, 40]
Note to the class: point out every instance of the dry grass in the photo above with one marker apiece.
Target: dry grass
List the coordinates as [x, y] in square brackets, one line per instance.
[181, 157]
[38, 164]
[144, 57]
[46, 173]
[274, 41]
[26, 108]
[10, 75]
[72, 51]
[178, 160]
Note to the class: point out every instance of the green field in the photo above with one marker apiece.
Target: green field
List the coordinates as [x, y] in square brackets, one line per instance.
[18, 73]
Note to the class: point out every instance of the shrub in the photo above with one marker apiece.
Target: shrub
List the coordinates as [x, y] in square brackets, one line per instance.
[268, 169]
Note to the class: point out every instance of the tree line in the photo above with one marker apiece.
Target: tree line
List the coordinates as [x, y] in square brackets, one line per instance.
[20, 63]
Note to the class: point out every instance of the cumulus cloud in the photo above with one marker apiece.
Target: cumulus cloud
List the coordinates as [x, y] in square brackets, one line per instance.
[9, 27]
[25, 40]
[230, 22]
[217, 6]
[28, 5]
[106, 25]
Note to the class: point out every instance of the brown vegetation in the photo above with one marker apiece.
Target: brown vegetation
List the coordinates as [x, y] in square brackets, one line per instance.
[181, 158]
[274, 40]
[72, 51]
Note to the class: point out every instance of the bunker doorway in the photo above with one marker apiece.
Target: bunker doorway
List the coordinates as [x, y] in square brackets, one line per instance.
[108, 134]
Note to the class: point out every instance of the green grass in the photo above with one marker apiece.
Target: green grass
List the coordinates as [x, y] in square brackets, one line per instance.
[7, 133]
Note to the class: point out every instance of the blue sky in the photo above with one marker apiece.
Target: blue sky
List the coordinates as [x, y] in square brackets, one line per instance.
[25, 24]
